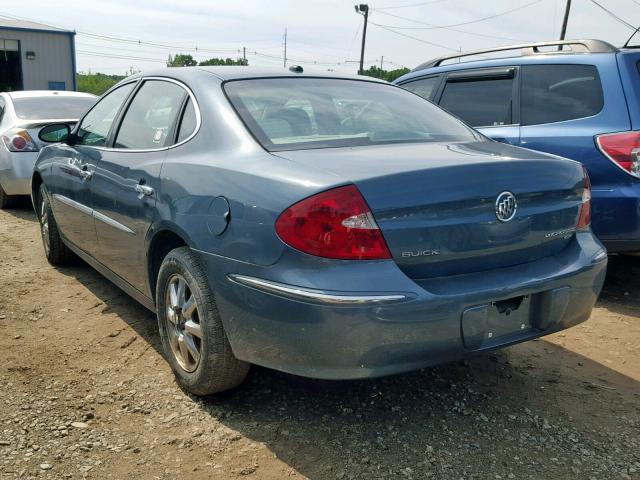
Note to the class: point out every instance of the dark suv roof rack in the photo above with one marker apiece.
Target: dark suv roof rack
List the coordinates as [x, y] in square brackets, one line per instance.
[577, 46]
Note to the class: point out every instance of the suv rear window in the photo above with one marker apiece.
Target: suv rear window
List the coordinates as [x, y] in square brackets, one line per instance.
[482, 102]
[302, 113]
[555, 93]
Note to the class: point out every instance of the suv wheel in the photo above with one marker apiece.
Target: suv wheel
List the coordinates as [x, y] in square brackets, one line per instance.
[55, 250]
[192, 333]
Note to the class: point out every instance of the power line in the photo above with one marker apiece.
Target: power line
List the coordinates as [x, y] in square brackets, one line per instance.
[166, 46]
[613, 15]
[412, 37]
[506, 12]
[411, 5]
[444, 27]
[121, 57]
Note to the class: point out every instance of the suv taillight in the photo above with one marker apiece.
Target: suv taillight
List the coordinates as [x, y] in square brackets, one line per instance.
[584, 217]
[333, 224]
[19, 140]
[623, 149]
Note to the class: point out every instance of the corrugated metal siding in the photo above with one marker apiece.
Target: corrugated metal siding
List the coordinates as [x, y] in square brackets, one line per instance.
[53, 62]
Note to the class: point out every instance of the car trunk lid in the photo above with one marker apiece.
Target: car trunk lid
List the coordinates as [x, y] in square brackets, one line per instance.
[435, 203]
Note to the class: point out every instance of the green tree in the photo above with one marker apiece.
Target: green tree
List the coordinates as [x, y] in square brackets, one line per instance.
[96, 83]
[224, 61]
[388, 75]
[181, 60]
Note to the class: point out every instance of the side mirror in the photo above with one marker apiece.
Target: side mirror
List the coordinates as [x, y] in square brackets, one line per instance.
[57, 132]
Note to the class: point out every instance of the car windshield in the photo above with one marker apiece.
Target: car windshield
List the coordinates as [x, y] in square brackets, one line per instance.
[63, 107]
[304, 113]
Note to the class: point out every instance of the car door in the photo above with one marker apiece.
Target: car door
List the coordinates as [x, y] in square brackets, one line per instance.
[127, 179]
[72, 172]
[486, 99]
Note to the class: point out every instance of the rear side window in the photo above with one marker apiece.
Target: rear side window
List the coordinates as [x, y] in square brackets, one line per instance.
[480, 102]
[425, 87]
[188, 122]
[555, 93]
[150, 116]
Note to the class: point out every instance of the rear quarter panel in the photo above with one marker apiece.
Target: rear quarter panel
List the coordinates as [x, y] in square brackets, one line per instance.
[223, 160]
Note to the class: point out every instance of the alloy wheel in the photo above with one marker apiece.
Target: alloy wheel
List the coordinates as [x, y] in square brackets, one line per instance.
[44, 225]
[183, 323]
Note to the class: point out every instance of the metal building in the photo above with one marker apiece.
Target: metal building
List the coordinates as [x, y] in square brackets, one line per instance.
[34, 56]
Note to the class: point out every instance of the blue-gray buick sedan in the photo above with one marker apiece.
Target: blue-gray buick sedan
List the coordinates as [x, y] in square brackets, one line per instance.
[329, 226]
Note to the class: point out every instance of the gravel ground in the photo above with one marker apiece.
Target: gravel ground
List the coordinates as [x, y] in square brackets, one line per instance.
[85, 393]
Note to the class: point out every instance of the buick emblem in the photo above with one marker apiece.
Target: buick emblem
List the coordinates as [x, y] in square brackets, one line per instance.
[506, 206]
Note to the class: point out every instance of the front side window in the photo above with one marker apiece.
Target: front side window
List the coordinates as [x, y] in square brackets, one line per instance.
[303, 113]
[150, 116]
[480, 102]
[425, 87]
[95, 126]
[556, 93]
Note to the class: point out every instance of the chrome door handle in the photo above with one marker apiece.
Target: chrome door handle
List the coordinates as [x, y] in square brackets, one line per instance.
[144, 191]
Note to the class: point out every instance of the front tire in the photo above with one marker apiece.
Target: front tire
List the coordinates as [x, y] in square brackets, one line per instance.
[55, 250]
[192, 333]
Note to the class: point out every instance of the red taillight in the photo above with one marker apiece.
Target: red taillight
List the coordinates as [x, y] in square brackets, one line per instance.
[18, 140]
[623, 149]
[333, 224]
[584, 217]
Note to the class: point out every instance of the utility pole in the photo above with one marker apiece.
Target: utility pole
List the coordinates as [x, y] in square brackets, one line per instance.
[244, 55]
[566, 20]
[381, 61]
[285, 47]
[363, 9]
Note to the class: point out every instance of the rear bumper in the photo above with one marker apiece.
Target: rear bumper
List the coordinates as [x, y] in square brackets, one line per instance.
[616, 217]
[437, 321]
[16, 169]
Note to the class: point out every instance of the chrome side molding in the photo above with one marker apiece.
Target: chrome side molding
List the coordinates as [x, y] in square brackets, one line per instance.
[92, 213]
[316, 296]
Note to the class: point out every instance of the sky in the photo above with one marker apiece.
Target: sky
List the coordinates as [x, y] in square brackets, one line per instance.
[321, 34]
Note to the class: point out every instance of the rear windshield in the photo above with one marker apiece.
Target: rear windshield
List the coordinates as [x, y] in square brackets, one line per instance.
[63, 107]
[304, 113]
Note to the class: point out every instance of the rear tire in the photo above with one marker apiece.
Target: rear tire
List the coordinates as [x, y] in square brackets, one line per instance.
[191, 330]
[55, 250]
[6, 201]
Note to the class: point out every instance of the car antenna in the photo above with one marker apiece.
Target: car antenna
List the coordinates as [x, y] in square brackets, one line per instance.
[629, 39]
[296, 69]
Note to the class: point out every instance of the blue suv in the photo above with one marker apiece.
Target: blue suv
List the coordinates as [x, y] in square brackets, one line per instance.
[577, 99]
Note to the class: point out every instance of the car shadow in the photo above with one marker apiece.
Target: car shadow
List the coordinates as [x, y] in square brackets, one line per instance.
[22, 209]
[622, 284]
[435, 423]
[115, 301]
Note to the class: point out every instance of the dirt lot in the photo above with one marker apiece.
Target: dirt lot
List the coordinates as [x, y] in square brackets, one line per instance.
[84, 392]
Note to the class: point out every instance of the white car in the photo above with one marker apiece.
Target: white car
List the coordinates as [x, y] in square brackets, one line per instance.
[22, 115]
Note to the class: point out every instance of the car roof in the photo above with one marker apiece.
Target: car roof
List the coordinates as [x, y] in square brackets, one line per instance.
[522, 54]
[47, 93]
[225, 73]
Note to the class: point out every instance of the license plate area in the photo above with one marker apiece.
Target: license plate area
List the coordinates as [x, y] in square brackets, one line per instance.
[498, 322]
